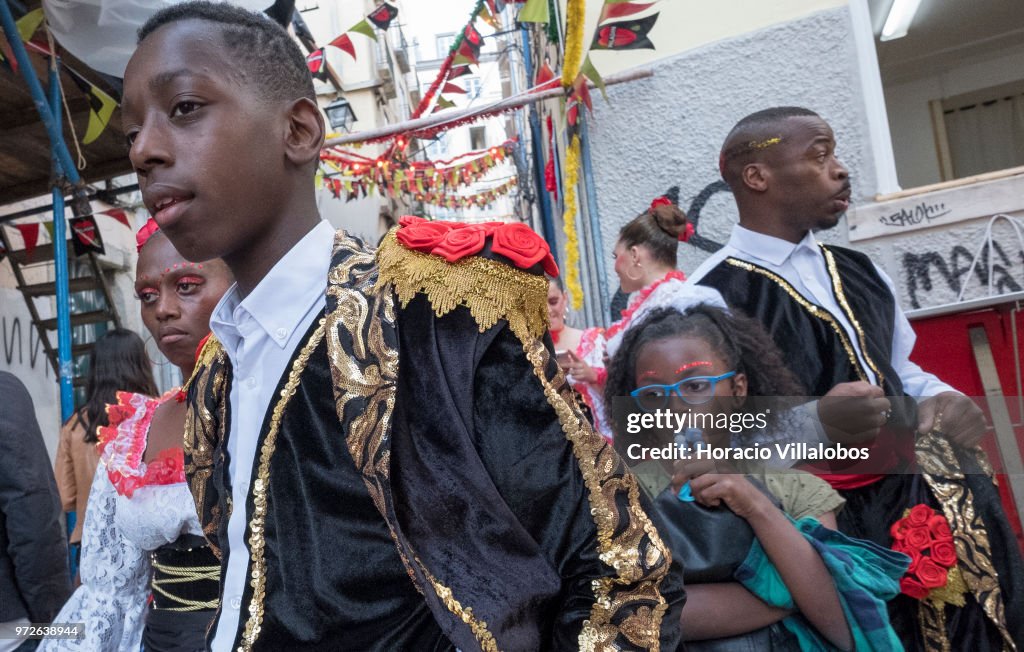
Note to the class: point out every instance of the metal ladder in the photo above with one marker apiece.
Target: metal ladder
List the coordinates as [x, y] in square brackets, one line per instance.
[88, 286]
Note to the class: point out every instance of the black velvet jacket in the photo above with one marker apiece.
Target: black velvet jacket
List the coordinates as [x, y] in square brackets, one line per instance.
[427, 441]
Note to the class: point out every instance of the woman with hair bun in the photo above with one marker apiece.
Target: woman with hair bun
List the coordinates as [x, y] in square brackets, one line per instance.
[645, 261]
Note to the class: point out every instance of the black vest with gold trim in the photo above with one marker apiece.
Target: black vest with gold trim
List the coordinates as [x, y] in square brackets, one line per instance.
[815, 345]
[434, 387]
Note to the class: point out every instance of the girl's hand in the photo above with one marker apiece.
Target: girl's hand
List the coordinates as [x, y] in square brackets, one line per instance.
[738, 494]
[580, 370]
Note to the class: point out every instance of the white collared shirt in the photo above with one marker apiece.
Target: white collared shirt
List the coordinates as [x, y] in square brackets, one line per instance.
[803, 266]
[260, 333]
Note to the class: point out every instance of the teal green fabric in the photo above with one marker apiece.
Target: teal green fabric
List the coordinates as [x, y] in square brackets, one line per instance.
[866, 576]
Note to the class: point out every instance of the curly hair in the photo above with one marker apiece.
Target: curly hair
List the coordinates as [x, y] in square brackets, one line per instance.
[742, 343]
[262, 47]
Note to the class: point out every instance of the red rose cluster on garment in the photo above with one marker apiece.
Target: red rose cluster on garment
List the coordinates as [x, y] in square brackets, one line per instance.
[454, 241]
[924, 536]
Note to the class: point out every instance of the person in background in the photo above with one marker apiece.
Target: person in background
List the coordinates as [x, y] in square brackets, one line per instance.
[835, 316]
[645, 262]
[34, 579]
[565, 337]
[117, 362]
[795, 584]
[141, 537]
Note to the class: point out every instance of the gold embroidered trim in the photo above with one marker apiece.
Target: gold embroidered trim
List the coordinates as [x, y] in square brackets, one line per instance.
[837, 287]
[202, 435]
[478, 627]
[629, 604]
[808, 306]
[258, 574]
[491, 290]
[367, 372]
[942, 472]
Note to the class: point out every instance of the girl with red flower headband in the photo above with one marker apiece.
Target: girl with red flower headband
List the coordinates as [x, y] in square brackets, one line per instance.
[141, 533]
[646, 263]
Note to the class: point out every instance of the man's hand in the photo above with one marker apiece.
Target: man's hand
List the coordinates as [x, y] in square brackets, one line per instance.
[852, 413]
[580, 370]
[955, 415]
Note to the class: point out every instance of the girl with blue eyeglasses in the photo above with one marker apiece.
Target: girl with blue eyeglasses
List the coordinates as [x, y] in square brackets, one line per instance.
[757, 545]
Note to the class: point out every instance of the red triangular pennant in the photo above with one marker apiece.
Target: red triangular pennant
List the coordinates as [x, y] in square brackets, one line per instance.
[118, 215]
[544, 74]
[343, 42]
[30, 234]
[452, 88]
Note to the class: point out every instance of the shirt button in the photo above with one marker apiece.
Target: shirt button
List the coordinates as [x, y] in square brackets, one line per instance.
[236, 602]
[250, 382]
[281, 333]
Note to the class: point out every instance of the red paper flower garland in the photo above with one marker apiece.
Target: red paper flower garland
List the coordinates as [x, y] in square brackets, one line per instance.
[924, 536]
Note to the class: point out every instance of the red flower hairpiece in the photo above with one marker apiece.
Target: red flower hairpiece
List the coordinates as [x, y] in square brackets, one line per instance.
[145, 233]
[660, 201]
[687, 233]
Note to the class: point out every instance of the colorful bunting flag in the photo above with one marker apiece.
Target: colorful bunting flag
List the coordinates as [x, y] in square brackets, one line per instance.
[535, 11]
[101, 108]
[363, 27]
[383, 15]
[118, 215]
[344, 42]
[445, 103]
[458, 71]
[317, 64]
[625, 35]
[49, 229]
[488, 17]
[86, 235]
[29, 23]
[613, 10]
[30, 235]
[453, 88]
[544, 74]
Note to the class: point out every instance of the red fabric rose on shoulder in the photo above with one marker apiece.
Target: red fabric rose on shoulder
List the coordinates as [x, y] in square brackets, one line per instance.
[454, 241]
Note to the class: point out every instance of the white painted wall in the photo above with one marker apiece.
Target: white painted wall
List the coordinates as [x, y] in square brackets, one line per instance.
[911, 124]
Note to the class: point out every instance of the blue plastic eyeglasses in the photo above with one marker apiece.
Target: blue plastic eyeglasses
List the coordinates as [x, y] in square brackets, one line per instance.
[695, 390]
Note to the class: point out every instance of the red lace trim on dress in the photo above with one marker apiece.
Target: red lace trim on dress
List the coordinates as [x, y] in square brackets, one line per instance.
[122, 444]
[638, 300]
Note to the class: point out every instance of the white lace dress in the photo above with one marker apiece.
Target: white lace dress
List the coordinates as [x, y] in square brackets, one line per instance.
[134, 508]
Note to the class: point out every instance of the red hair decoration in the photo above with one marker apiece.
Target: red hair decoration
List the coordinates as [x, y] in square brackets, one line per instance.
[660, 201]
[686, 233]
[145, 233]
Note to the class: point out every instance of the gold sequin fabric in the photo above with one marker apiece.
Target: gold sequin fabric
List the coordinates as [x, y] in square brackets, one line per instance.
[490, 289]
[941, 470]
[205, 419]
[362, 348]
[628, 605]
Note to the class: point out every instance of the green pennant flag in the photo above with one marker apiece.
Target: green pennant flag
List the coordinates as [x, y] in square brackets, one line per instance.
[590, 72]
[348, 185]
[535, 11]
[49, 229]
[365, 28]
[444, 102]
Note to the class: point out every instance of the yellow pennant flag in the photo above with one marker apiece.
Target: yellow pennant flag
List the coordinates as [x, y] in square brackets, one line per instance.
[101, 107]
[29, 23]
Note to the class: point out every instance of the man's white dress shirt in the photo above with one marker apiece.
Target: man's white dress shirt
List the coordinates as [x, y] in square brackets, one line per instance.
[260, 333]
[803, 266]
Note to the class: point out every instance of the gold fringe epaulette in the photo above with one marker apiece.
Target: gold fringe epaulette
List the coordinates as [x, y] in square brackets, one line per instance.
[490, 289]
[211, 349]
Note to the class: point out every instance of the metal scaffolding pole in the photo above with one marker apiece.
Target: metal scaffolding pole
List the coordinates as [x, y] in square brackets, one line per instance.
[64, 167]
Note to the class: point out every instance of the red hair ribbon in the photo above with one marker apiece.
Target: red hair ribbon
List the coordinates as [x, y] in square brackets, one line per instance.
[145, 233]
[687, 233]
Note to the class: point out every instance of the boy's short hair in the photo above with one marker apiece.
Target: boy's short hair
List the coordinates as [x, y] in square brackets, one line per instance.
[258, 44]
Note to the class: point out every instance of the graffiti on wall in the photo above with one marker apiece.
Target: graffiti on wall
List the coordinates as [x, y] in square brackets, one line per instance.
[21, 345]
[931, 271]
[693, 214]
